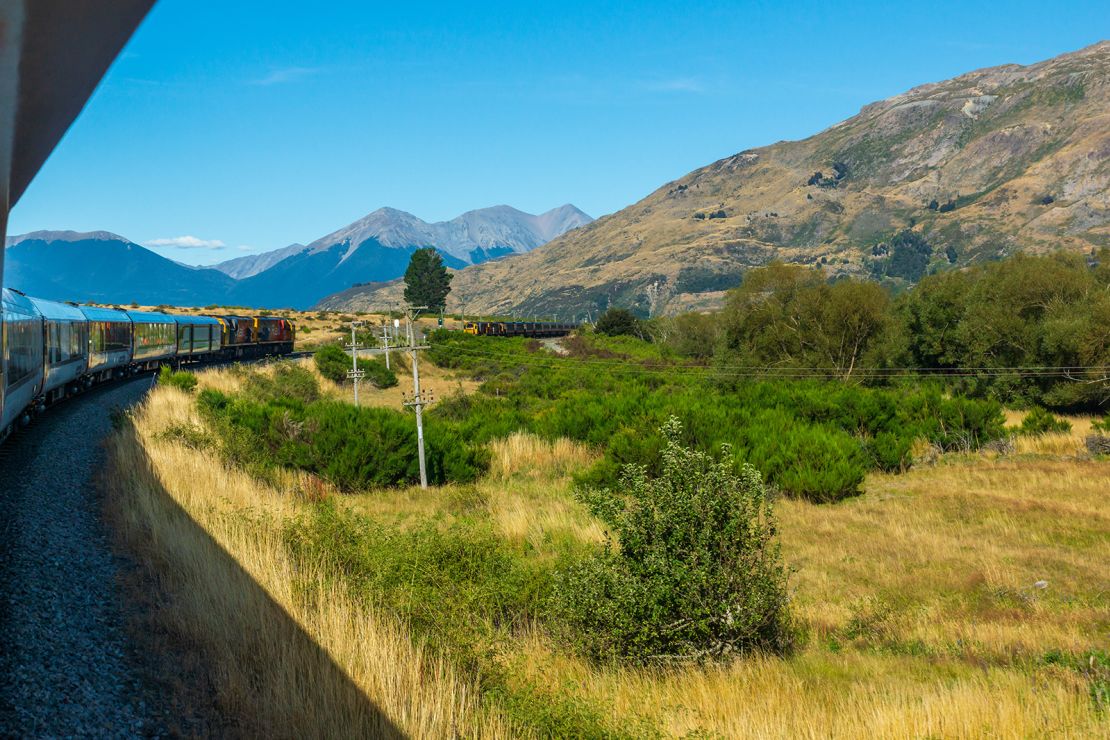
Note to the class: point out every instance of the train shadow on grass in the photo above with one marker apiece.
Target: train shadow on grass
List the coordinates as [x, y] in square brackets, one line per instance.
[220, 645]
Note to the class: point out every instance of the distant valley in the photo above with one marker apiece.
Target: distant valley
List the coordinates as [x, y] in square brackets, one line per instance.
[104, 267]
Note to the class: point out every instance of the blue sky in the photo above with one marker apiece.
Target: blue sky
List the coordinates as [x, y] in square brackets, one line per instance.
[229, 128]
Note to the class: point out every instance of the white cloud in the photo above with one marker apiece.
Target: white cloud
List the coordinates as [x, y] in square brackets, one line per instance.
[285, 74]
[186, 242]
[676, 84]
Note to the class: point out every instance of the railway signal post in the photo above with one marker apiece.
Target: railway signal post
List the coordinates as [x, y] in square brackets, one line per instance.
[418, 402]
[354, 373]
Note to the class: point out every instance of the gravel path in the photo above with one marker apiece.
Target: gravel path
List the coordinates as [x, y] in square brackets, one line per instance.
[66, 665]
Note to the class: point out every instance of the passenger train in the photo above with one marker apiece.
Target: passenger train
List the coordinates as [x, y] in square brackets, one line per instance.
[49, 350]
[519, 328]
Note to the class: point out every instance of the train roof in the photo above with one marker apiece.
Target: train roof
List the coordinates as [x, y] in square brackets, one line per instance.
[57, 311]
[96, 313]
[196, 320]
[15, 299]
[150, 317]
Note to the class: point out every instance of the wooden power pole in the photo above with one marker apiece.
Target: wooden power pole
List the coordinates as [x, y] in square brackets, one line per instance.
[354, 373]
[418, 401]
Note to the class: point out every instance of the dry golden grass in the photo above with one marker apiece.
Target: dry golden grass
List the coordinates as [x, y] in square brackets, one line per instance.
[923, 615]
[526, 455]
[283, 663]
[921, 599]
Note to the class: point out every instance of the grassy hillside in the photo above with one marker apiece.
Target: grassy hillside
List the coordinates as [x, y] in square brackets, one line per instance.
[964, 596]
[990, 163]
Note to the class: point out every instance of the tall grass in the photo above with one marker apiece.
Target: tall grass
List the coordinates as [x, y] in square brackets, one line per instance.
[959, 599]
[212, 539]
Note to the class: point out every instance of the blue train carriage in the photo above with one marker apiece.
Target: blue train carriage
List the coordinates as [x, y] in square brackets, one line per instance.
[22, 371]
[198, 337]
[109, 343]
[65, 350]
[153, 339]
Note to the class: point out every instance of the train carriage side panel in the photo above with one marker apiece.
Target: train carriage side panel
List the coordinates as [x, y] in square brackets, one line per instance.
[66, 349]
[109, 338]
[21, 357]
[154, 337]
[197, 335]
[275, 331]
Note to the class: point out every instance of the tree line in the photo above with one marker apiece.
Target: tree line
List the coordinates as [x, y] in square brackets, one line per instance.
[997, 330]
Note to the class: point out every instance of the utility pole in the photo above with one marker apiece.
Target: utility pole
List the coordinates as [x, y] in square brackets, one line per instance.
[354, 373]
[418, 401]
[385, 341]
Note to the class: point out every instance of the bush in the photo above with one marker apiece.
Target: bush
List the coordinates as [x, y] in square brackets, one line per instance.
[697, 574]
[288, 382]
[617, 321]
[182, 379]
[334, 364]
[1039, 422]
[377, 373]
[353, 448]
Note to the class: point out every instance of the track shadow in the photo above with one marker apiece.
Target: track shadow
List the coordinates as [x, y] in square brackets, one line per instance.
[262, 675]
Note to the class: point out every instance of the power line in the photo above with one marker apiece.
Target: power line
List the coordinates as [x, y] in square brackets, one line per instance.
[789, 372]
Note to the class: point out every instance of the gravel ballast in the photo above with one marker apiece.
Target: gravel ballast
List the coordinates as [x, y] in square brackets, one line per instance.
[67, 666]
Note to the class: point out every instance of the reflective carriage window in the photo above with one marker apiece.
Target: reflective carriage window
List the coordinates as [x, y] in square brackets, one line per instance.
[21, 349]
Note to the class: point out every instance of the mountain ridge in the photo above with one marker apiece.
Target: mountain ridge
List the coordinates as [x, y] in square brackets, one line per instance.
[105, 267]
[994, 161]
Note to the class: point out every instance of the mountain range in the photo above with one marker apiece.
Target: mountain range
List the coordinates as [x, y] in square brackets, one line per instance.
[104, 267]
[996, 161]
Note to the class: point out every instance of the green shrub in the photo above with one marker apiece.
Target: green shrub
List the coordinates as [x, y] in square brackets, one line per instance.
[334, 364]
[1103, 425]
[1039, 422]
[617, 321]
[377, 373]
[696, 574]
[354, 448]
[288, 382]
[182, 379]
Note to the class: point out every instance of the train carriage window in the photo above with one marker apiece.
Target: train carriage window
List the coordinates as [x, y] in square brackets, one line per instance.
[20, 349]
[65, 341]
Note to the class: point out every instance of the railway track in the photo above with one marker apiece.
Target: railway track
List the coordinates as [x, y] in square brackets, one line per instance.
[67, 664]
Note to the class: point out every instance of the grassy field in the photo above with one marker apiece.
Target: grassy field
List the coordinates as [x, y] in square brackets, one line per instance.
[969, 597]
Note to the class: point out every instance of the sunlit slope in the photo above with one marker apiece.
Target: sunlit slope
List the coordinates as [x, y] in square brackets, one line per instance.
[999, 160]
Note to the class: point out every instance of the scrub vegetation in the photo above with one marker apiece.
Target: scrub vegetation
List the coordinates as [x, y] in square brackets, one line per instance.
[958, 592]
[810, 439]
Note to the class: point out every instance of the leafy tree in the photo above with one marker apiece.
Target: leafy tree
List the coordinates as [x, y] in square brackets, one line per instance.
[427, 281]
[697, 574]
[788, 315]
[909, 256]
[617, 321]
